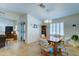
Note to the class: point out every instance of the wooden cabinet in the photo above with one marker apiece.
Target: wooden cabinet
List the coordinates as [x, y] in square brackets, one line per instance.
[11, 35]
[15, 37]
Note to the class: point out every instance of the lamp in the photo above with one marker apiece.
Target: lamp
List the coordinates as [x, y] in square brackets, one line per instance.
[42, 5]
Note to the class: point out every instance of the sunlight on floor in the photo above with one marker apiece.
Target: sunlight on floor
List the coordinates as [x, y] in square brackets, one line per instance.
[18, 48]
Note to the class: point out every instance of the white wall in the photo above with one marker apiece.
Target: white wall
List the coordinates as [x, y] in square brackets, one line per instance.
[33, 34]
[68, 22]
[7, 18]
[5, 22]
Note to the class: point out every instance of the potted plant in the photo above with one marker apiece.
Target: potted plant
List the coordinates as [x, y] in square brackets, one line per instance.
[75, 40]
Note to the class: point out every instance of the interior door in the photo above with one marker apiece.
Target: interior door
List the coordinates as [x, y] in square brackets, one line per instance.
[22, 31]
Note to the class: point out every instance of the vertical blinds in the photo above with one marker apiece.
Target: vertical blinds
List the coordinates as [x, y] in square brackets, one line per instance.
[57, 28]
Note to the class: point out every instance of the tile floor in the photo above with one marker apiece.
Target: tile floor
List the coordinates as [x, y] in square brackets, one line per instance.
[18, 48]
[72, 51]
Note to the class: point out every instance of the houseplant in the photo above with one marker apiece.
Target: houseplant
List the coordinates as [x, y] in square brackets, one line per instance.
[75, 40]
[75, 37]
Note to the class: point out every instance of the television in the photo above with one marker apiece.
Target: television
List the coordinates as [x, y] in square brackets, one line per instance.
[8, 28]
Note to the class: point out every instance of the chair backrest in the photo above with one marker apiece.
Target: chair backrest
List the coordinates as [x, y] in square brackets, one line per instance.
[44, 42]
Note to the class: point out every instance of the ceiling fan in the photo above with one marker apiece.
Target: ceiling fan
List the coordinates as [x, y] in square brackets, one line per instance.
[42, 5]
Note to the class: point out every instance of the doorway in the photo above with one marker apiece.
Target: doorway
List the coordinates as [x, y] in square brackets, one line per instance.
[22, 31]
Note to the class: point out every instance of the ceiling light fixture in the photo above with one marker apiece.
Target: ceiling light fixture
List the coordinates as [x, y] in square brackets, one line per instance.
[47, 21]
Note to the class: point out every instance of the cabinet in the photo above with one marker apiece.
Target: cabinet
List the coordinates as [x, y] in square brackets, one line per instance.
[11, 35]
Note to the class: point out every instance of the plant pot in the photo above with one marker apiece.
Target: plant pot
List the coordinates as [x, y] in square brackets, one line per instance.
[75, 43]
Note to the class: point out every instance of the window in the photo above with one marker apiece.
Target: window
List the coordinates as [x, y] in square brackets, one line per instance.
[56, 29]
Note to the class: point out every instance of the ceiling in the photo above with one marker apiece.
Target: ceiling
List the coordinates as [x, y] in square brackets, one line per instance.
[48, 11]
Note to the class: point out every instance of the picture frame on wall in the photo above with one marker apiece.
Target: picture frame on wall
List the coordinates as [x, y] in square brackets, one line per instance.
[35, 26]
